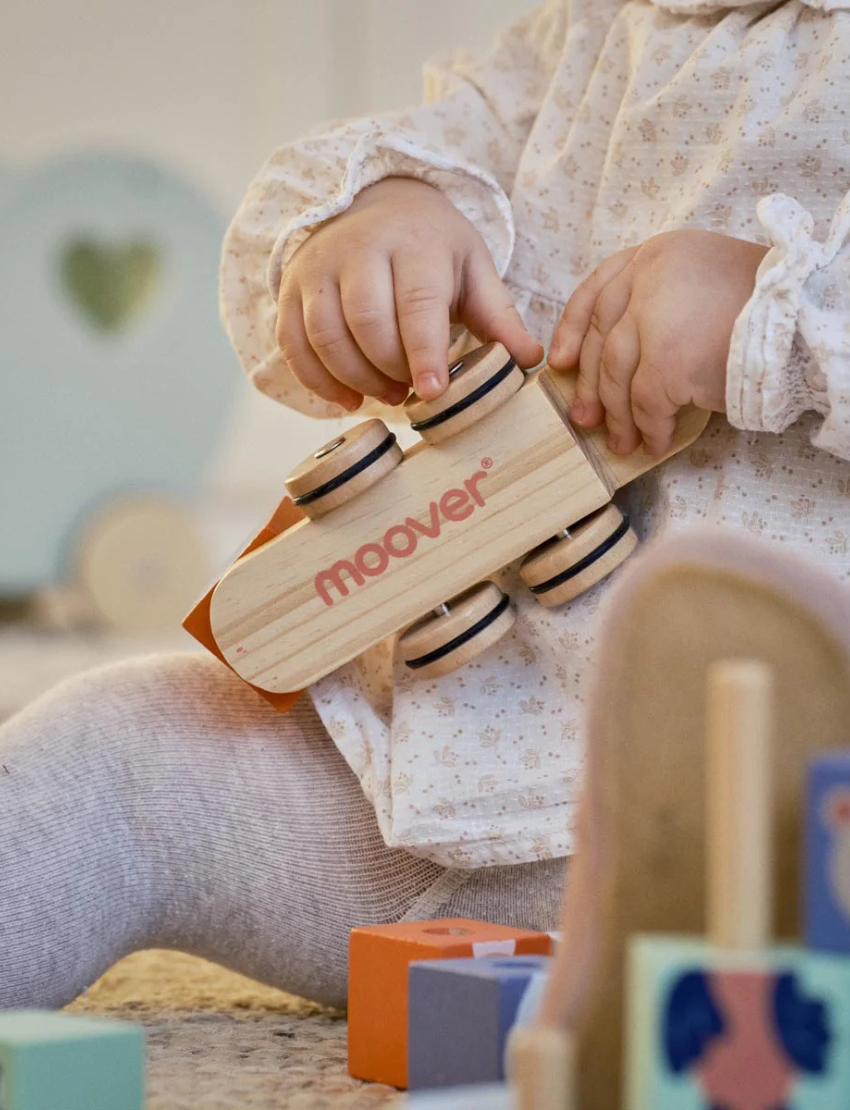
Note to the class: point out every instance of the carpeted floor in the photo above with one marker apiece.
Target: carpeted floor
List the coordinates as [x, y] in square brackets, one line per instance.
[217, 1041]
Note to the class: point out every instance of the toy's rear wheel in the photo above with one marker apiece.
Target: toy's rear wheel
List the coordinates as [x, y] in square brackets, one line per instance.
[458, 631]
[579, 557]
[138, 565]
[478, 384]
[343, 468]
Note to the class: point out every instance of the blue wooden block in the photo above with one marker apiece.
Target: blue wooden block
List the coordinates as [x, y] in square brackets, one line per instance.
[51, 1061]
[717, 1028]
[827, 854]
[459, 1015]
[490, 1096]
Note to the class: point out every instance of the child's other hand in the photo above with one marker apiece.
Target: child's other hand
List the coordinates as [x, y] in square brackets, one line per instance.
[366, 303]
[649, 332]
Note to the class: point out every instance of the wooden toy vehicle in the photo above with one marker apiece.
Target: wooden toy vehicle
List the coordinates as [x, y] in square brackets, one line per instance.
[376, 540]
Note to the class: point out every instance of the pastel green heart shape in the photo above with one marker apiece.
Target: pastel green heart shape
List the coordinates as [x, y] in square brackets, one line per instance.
[110, 283]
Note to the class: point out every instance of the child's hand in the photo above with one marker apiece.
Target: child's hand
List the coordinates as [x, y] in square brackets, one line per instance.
[365, 304]
[649, 332]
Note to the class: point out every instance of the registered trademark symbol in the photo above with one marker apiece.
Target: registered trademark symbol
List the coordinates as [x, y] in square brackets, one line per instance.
[487, 463]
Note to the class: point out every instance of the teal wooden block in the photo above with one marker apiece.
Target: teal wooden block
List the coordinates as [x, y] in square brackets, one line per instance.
[51, 1061]
[709, 1028]
[489, 1096]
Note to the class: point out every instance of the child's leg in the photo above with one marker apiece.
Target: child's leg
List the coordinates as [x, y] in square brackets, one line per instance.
[163, 803]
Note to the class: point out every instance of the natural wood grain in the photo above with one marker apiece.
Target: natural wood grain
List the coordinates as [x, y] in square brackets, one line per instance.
[540, 1062]
[438, 629]
[739, 728]
[618, 470]
[337, 456]
[469, 373]
[276, 629]
[563, 553]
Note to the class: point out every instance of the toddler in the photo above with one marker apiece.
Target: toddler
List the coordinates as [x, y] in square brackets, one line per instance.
[693, 158]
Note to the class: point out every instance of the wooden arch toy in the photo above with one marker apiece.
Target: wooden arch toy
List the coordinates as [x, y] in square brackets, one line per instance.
[373, 540]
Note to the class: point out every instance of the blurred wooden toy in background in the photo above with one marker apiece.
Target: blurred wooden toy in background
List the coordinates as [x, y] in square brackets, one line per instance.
[117, 385]
[688, 603]
[52, 1061]
[827, 889]
[378, 982]
[740, 1023]
[404, 541]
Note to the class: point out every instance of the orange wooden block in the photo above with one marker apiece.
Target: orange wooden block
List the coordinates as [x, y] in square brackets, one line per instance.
[379, 958]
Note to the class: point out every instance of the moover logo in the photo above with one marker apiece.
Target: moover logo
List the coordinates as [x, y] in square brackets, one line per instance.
[400, 541]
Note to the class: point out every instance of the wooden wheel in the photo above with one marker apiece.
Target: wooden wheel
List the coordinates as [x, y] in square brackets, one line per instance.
[478, 384]
[344, 467]
[570, 563]
[458, 631]
[138, 565]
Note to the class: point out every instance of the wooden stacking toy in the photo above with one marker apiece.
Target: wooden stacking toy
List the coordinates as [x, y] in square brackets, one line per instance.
[379, 962]
[373, 541]
[51, 1061]
[733, 1021]
[459, 1015]
[686, 603]
[827, 887]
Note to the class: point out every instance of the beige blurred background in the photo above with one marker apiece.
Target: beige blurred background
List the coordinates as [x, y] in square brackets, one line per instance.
[209, 88]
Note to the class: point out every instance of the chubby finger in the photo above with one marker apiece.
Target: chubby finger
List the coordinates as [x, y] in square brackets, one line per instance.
[368, 305]
[487, 309]
[653, 411]
[575, 320]
[302, 360]
[586, 409]
[424, 291]
[611, 304]
[334, 345]
[618, 366]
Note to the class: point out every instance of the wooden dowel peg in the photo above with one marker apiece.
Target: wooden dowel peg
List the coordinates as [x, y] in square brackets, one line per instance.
[738, 817]
[541, 1068]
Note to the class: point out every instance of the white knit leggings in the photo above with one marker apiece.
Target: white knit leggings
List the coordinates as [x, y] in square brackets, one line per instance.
[162, 803]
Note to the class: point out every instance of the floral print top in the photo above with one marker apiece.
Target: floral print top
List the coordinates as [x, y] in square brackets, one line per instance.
[590, 126]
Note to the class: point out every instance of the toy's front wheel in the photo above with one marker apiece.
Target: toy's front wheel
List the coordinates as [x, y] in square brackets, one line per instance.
[346, 466]
[478, 384]
[459, 630]
[579, 557]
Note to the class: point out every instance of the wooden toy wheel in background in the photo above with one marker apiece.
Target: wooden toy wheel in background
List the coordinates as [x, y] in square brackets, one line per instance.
[459, 630]
[344, 467]
[478, 384]
[578, 558]
[137, 564]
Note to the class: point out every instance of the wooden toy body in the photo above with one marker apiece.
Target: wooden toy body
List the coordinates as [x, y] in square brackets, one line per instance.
[50, 1060]
[827, 878]
[743, 1030]
[459, 1016]
[450, 515]
[379, 963]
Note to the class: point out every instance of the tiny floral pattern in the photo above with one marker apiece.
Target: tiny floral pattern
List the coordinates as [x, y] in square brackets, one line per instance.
[593, 125]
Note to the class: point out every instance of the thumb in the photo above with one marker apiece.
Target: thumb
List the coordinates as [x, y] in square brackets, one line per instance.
[487, 309]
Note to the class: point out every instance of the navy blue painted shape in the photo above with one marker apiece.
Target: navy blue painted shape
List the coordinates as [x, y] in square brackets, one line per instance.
[827, 854]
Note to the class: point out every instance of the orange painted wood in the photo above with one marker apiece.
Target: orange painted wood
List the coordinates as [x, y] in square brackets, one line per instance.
[379, 958]
[198, 624]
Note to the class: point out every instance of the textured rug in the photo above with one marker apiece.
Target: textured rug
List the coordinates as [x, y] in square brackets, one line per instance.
[217, 1041]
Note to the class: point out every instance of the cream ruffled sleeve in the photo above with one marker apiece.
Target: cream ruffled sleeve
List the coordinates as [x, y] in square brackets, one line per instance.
[790, 349]
[466, 140]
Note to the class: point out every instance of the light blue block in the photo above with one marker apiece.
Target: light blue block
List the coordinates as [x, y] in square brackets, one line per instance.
[115, 374]
[460, 1012]
[827, 854]
[492, 1096]
[51, 1061]
[708, 1027]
